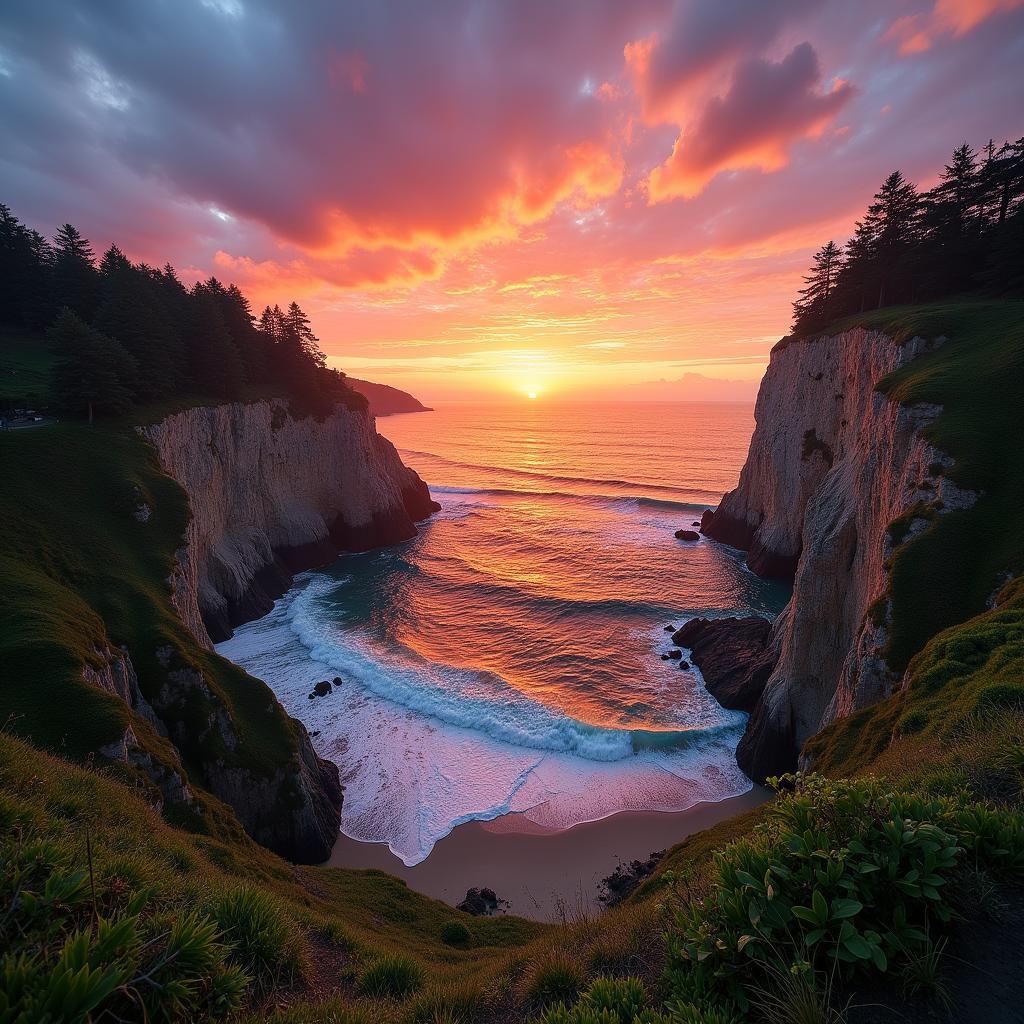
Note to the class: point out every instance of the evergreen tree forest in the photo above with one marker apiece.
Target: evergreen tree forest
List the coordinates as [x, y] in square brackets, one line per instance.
[124, 334]
[965, 235]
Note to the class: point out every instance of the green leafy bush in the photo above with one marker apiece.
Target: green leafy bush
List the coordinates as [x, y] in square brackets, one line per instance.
[89, 947]
[392, 977]
[850, 873]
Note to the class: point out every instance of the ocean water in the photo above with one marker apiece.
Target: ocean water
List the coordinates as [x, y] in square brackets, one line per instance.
[508, 658]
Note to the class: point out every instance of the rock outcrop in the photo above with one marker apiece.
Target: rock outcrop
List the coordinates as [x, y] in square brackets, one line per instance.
[734, 657]
[271, 495]
[832, 463]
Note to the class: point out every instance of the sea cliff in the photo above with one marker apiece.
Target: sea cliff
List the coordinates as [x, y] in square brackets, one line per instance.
[837, 475]
[270, 495]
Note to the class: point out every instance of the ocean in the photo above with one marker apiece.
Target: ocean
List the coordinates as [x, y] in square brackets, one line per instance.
[508, 659]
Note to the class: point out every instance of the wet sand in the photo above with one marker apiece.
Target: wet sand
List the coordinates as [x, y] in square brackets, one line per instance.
[533, 869]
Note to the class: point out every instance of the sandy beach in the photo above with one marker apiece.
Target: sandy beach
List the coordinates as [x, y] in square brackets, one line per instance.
[534, 869]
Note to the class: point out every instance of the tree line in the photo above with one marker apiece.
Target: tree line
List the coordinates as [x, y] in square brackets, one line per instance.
[964, 235]
[126, 334]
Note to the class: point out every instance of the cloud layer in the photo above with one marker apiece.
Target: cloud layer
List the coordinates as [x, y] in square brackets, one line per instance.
[608, 188]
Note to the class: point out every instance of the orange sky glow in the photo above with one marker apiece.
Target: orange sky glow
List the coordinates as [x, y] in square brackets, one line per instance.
[582, 199]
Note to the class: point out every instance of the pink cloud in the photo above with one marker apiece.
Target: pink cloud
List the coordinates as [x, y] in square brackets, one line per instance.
[768, 107]
[917, 33]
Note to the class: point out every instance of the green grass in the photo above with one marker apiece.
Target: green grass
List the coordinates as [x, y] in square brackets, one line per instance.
[958, 711]
[280, 922]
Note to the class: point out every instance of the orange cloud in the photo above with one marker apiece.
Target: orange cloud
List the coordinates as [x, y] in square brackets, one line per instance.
[917, 33]
[767, 108]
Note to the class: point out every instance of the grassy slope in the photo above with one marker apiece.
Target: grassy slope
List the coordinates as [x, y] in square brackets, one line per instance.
[345, 919]
[80, 572]
[25, 362]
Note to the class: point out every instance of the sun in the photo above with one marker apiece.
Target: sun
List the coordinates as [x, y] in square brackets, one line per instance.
[531, 394]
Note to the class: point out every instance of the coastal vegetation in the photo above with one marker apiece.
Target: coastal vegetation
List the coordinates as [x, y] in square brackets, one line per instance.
[118, 335]
[965, 235]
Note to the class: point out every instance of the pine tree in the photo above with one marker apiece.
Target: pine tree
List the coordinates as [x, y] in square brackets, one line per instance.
[132, 310]
[24, 255]
[812, 310]
[92, 372]
[950, 203]
[74, 280]
[298, 329]
[878, 255]
[215, 364]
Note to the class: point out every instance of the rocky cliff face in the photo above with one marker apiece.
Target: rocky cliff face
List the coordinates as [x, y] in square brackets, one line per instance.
[269, 495]
[272, 495]
[832, 464]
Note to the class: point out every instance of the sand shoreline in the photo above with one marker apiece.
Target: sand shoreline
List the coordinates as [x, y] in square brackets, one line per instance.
[533, 868]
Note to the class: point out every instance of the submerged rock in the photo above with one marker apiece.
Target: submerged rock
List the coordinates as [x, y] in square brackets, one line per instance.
[689, 535]
[322, 688]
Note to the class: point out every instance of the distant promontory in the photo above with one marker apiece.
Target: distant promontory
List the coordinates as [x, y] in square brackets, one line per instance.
[385, 400]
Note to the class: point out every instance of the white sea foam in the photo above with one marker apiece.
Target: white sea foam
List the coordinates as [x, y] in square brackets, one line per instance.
[424, 748]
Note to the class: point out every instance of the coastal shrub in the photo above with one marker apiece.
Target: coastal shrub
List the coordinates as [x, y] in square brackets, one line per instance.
[455, 933]
[625, 1001]
[843, 877]
[263, 939]
[553, 978]
[391, 977]
[81, 947]
[451, 1002]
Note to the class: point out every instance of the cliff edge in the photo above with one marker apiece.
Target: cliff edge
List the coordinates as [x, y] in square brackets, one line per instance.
[271, 495]
[833, 463]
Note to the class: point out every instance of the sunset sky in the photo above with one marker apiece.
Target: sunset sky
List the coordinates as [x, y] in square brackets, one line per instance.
[575, 198]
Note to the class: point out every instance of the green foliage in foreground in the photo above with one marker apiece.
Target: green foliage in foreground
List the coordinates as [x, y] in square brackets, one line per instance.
[81, 948]
[842, 883]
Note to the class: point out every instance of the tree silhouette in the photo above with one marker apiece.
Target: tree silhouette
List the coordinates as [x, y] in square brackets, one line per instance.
[73, 273]
[93, 372]
[812, 305]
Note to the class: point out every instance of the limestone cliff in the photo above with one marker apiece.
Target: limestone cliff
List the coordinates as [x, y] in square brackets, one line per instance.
[271, 495]
[832, 464]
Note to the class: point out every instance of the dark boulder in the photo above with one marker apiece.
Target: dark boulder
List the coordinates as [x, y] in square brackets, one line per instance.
[689, 535]
[696, 522]
[685, 665]
[322, 688]
[733, 655]
[337, 680]
[675, 655]
[481, 902]
[670, 629]
[664, 657]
